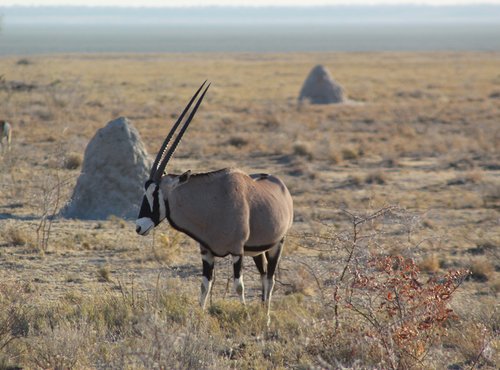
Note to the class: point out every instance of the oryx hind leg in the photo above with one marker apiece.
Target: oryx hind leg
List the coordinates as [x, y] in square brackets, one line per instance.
[207, 279]
[261, 263]
[273, 256]
[239, 287]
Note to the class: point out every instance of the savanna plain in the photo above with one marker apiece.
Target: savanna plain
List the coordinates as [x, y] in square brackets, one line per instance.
[393, 258]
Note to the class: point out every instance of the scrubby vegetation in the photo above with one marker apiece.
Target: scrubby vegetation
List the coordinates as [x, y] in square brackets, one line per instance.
[393, 258]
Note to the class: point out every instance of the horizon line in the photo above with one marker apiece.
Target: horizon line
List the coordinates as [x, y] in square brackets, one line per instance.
[152, 6]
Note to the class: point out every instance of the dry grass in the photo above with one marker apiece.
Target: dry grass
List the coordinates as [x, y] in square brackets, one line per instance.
[378, 177]
[73, 161]
[429, 264]
[482, 269]
[424, 136]
[17, 236]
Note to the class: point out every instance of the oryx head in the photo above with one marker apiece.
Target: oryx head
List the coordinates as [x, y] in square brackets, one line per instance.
[153, 208]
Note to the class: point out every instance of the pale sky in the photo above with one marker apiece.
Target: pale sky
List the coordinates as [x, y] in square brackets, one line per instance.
[240, 2]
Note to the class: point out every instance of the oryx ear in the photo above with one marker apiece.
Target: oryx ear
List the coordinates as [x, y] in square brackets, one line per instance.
[184, 177]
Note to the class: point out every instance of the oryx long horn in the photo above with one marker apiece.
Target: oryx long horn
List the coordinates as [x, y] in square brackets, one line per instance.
[161, 152]
[171, 150]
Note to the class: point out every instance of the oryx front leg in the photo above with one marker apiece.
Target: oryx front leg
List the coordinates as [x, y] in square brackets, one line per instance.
[238, 278]
[208, 270]
[273, 256]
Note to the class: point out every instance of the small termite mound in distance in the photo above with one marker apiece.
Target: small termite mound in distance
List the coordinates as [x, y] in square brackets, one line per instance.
[320, 88]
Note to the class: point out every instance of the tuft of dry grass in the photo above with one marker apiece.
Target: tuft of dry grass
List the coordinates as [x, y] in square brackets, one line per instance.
[104, 274]
[302, 149]
[429, 264]
[476, 345]
[490, 195]
[238, 141]
[302, 282]
[269, 122]
[73, 161]
[349, 154]
[354, 181]
[495, 286]
[377, 177]
[481, 269]
[334, 156]
[167, 247]
[118, 221]
[17, 236]
[495, 94]
[24, 62]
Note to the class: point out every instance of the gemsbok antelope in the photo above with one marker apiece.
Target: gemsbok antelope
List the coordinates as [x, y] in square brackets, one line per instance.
[225, 211]
[5, 134]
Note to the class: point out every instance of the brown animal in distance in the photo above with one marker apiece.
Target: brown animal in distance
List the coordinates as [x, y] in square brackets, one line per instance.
[5, 134]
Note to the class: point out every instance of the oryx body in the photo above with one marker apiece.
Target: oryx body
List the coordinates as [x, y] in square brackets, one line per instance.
[5, 134]
[227, 211]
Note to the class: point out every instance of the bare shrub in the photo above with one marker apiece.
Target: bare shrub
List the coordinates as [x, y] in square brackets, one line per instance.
[402, 312]
[395, 315]
[49, 200]
[381, 300]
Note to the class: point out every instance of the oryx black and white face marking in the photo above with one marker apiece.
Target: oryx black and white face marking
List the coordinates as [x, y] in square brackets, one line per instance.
[153, 209]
